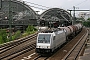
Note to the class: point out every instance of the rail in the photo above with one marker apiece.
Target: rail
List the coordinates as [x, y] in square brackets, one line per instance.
[74, 52]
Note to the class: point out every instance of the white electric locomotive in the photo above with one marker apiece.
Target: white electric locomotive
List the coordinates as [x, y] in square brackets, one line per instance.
[50, 40]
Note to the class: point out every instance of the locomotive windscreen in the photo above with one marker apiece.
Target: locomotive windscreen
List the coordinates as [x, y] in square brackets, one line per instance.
[44, 38]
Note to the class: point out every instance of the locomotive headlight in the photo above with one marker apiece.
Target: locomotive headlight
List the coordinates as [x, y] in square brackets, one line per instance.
[38, 46]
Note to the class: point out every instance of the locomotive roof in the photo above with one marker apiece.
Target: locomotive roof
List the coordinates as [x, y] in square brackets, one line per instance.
[52, 30]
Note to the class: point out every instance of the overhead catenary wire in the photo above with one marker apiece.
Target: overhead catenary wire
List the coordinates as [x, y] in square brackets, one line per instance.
[81, 2]
[38, 5]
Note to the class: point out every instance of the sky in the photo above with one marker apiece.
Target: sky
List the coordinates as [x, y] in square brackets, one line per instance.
[64, 4]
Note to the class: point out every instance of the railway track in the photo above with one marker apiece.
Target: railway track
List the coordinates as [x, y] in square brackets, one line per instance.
[61, 53]
[8, 46]
[17, 47]
[40, 57]
[29, 51]
[19, 52]
[16, 42]
[76, 50]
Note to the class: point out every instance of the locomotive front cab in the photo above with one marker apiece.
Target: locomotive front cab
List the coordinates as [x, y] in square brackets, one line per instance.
[43, 43]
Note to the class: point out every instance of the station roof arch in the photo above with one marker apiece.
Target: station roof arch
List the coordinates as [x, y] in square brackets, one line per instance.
[55, 14]
[21, 12]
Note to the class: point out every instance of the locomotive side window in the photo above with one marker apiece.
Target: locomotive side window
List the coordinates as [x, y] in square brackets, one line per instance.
[44, 38]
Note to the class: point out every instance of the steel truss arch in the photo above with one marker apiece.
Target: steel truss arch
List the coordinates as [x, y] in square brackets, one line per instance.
[56, 14]
[22, 14]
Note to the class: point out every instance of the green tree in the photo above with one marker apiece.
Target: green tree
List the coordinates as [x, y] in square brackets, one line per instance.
[3, 36]
[1, 41]
[88, 19]
[30, 29]
[87, 23]
[16, 35]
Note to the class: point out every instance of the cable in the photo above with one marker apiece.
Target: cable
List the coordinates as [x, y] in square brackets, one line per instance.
[81, 2]
[38, 7]
[37, 4]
